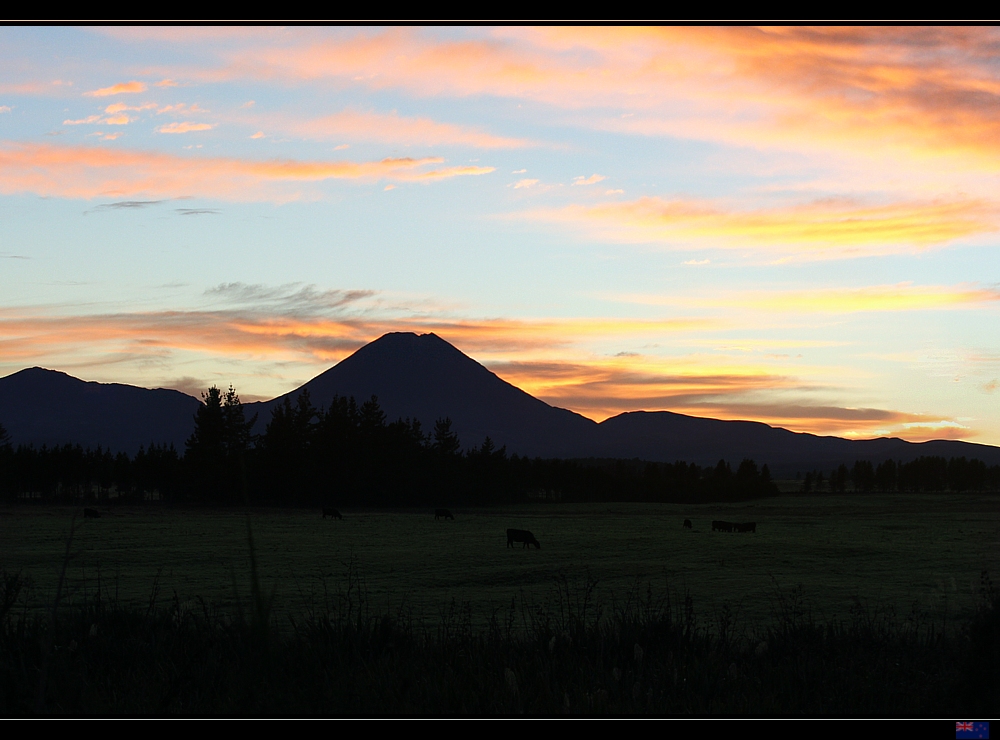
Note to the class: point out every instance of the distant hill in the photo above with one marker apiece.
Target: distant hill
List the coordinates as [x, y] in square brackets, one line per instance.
[424, 377]
[40, 406]
[668, 437]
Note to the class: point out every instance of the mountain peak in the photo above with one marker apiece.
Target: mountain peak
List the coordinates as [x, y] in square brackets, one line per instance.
[424, 377]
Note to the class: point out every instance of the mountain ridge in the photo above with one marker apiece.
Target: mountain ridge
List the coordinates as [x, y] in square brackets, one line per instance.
[424, 377]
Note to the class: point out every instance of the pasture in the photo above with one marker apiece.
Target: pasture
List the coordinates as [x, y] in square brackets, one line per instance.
[919, 554]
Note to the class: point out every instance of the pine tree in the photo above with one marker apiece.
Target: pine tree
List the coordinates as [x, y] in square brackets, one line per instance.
[205, 455]
[217, 449]
[445, 441]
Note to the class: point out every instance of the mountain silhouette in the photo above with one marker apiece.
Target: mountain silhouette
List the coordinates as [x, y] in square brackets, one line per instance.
[667, 437]
[39, 406]
[424, 377]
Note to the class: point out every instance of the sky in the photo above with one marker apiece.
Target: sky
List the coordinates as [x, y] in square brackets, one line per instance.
[792, 225]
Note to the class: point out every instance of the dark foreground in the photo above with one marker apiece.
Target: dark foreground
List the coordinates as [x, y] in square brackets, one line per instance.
[642, 656]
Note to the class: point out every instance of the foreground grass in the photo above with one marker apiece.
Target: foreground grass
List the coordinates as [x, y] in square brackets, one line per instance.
[568, 655]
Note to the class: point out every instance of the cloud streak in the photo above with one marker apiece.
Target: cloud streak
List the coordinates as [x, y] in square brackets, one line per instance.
[391, 128]
[302, 329]
[905, 296]
[127, 205]
[930, 90]
[880, 298]
[184, 127]
[90, 172]
[830, 227]
[118, 89]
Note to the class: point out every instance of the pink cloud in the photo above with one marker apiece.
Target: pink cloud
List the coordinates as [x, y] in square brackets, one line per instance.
[183, 128]
[117, 89]
[90, 172]
[391, 128]
[929, 91]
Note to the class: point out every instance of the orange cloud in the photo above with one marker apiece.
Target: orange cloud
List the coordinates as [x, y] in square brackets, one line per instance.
[115, 115]
[852, 423]
[179, 108]
[819, 227]
[81, 121]
[603, 387]
[391, 128]
[90, 172]
[444, 173]
[899, 297]
[276, 331]
[922, 89]
[303, 325]
[183, 128]
[121, 87]
[307, 332]
[932, 92]
[842, 300]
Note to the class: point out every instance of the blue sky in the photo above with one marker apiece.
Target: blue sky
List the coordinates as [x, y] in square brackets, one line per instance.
[792, 225]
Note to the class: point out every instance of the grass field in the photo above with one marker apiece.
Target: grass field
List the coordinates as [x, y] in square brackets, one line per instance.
[921, 553]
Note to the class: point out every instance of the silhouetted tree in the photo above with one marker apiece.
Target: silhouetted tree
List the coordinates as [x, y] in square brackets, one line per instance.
[8, 489]
[722, 470]
[237, 440]
[747, 473]
[205, 456]
[838, 479]
[885, 476]
[216, 450]
[445, 440]
[287, 450]
[863, 476]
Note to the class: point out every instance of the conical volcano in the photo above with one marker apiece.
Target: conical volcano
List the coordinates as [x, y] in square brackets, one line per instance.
[424, 377]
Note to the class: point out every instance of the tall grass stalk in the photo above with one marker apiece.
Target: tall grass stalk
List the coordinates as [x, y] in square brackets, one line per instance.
[644, 653]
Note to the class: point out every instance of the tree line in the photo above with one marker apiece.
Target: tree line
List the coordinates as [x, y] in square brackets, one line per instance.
[349, 454]
[925, 474]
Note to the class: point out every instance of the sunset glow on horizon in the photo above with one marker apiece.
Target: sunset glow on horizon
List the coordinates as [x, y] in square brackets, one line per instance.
[793, 225]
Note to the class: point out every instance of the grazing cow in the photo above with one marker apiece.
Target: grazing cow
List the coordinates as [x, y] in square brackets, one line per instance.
[91, 514]
[331, 512]
[442, 514]
[722, 526]
[522, 535]
[746, 527]
[687, 524]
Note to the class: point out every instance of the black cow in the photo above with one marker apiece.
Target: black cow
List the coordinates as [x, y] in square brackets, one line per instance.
[331, 512]
[522, 535]
[442, 514]
[721, 526]
[746, 527]
[687, 524]
[91, 514]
